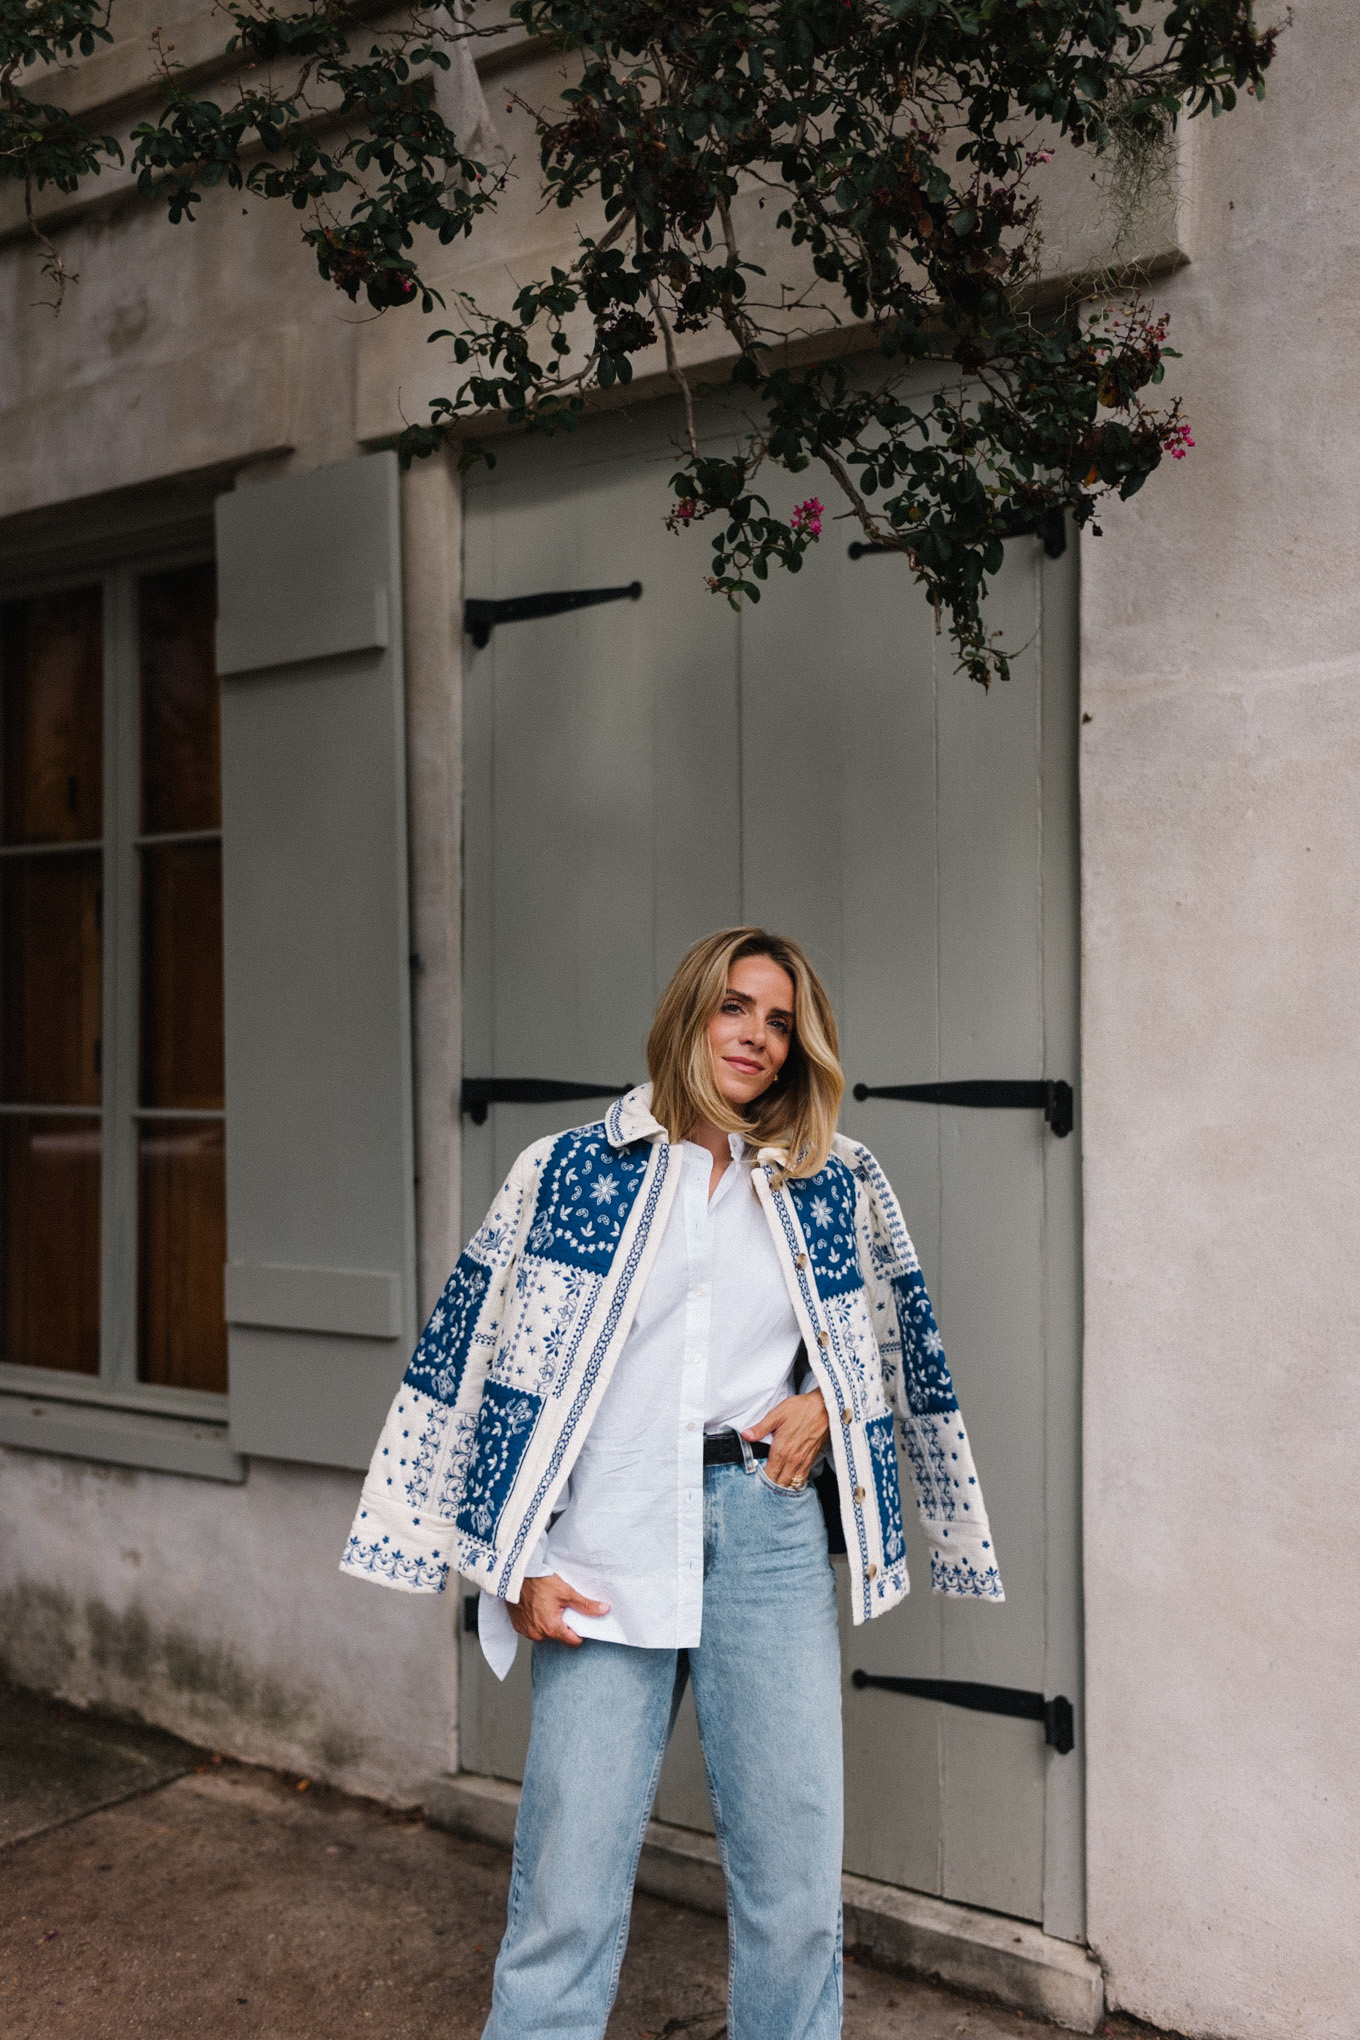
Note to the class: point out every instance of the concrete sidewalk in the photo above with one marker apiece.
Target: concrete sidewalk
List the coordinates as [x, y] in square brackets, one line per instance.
[233, 1901]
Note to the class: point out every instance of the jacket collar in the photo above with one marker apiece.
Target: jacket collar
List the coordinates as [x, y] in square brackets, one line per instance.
[629, 1118]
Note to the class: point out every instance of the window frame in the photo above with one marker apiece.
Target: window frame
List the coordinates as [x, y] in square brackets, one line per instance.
[186, 1428]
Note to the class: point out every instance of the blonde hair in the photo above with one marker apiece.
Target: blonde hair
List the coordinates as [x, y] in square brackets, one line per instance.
[798, 1114]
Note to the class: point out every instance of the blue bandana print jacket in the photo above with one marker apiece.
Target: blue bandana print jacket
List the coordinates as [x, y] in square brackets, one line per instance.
[518, 1353]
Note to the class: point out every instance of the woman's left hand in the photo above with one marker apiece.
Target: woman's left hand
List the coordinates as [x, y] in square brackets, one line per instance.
[797, 1430]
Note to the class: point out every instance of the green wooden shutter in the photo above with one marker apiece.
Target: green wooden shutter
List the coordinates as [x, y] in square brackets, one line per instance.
[320, 1191]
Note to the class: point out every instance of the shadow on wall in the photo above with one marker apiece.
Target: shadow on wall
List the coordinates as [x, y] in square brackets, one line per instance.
[120, 1661]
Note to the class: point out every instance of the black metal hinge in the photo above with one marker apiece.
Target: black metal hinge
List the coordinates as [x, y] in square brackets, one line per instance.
[480, 1092]
[1050, 1095]
[1056, 1714]
[1050, 526]
[480, 618]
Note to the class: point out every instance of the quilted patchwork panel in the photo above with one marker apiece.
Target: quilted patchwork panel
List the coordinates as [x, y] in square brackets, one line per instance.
[505, 1424]
[883, 1452]
[929, 1387]
[855, 1350]
[585, 1197]
[825, 1204]
[551, 1306]
[942, 1464]
[408, 1450]
[436, 1366]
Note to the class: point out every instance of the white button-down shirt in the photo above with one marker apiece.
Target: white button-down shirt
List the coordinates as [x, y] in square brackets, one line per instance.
[713, 1347]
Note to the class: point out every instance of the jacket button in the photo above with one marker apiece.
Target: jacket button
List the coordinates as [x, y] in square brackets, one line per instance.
[872, 1572]
[801, 1261]
[859, 1494]
[823, 1338]
[846, 1416]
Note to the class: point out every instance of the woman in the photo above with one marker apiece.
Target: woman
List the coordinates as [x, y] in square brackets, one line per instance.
[611, 1423]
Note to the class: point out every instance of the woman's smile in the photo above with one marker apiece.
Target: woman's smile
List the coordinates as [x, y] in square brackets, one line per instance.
[751, 1032]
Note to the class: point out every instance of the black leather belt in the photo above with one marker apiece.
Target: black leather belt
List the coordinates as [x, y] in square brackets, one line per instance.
[723, 1448]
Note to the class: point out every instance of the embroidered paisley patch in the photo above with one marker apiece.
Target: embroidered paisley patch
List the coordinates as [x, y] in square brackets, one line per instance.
[929, 1387]
[887, 1487]
[505, 1425]
[439, 1359]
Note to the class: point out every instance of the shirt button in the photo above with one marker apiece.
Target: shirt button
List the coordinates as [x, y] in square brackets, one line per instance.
[859, 1494]
[872, 1572]
[691, 1427]
[823, 1338]
[846, 1416]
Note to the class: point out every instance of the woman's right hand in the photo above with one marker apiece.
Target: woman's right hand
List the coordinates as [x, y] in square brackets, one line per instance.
[537, 1614]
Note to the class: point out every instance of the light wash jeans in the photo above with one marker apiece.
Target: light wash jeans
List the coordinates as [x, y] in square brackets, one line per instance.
[767, 1691]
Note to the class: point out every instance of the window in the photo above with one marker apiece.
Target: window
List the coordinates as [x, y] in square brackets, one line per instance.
[112, 1135]
[51, 897]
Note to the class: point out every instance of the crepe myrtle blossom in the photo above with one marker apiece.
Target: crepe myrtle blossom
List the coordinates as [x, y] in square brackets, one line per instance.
[807, 518]
[889, 129]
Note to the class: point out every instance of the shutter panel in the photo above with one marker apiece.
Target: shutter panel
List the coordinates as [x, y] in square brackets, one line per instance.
[320, 1191]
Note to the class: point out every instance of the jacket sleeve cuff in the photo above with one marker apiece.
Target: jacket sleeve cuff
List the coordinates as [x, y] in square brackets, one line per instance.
[963, 1562]
[397, 1550]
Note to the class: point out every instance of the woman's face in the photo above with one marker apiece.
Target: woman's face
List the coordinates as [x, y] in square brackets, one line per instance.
[752, 1030]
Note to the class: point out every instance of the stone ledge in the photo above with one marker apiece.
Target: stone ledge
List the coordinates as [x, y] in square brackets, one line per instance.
[219, 407]
[899, 1930]
[1001, 1958]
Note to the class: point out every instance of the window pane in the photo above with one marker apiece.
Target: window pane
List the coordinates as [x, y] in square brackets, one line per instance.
[181, 733]
[49, 1243]
[182, 1232]
[182, 1055]
[181, 1224]
[49, 957]
[52, 665]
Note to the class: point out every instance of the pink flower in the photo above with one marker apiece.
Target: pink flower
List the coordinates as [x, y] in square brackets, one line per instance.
[807, 518]
[1178, 441]
[686, 509]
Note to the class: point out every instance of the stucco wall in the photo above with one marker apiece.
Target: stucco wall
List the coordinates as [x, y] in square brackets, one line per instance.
[1221, 825]
[219, 1612]
[1221, 808]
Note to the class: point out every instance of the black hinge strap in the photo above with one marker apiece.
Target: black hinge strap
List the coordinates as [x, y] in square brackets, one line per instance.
[480, 618]
[479, 1092]
[1049, 1095]
[1055, 1714]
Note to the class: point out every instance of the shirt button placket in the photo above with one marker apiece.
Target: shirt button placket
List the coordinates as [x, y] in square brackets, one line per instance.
[690, 1508]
